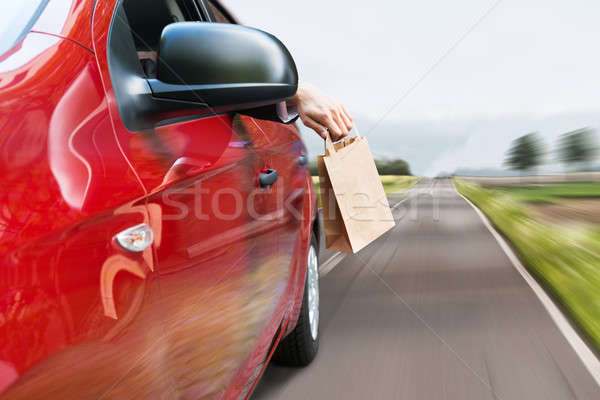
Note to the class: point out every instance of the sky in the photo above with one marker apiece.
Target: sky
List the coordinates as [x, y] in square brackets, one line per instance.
[466, 77]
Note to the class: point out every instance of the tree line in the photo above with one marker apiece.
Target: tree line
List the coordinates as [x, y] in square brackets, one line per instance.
[576, 149]
[384, 167]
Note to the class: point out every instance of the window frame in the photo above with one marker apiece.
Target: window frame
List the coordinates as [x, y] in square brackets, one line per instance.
[221, 9]
[205, 11]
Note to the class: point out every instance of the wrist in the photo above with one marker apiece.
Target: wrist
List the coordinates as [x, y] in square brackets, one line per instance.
[300, 94]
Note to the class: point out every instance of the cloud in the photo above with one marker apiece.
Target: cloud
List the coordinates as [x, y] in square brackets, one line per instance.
[530, 66]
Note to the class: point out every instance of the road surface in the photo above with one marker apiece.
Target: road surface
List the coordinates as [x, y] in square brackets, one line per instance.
[434, 309]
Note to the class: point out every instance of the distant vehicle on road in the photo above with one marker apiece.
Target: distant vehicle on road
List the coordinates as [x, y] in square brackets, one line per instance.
[158, 228]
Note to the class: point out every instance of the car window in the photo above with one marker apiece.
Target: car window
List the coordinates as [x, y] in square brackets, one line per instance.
[147, 23]
[16, 19]
[219, 13]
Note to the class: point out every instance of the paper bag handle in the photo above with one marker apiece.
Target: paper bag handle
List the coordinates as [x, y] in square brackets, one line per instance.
[329, 143]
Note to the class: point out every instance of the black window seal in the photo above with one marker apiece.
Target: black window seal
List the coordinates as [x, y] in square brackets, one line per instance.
[204, 10]
[196, 9]
[198, 14]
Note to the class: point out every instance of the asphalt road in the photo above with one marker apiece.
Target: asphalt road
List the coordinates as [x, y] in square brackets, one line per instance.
[434, 309]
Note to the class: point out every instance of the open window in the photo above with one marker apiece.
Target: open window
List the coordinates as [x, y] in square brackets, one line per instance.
[133, 42]
[147, 23]
[220, 13]
[167, 64]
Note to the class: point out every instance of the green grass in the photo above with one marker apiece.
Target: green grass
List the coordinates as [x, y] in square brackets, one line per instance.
[566, 260]
[395, 183]
[552, 193]
[391, 183]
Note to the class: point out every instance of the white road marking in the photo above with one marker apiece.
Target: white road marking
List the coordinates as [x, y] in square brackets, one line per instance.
[331, 263]
[587, 356]
[400, 202]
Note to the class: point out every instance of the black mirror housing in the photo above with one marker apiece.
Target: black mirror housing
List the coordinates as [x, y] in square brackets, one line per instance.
[223, 67]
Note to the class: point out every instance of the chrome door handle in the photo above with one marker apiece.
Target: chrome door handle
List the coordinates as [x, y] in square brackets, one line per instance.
[268, 178]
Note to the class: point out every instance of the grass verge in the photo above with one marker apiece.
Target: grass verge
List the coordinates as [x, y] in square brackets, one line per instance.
[552, 193]
[391, 183]
[565, 260]
[396, 183]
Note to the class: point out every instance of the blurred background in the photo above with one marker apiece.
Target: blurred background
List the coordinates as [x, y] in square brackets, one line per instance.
[501, 95]
[446, 86]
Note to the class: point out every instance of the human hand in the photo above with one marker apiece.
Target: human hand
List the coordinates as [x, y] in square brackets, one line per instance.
[320, 112]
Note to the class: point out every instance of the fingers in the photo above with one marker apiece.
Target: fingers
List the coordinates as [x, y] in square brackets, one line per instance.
[320, 112]
[333, 119]
[314, 125]
[340, 122]
[346, 112]
[330, 122]
[346, 118]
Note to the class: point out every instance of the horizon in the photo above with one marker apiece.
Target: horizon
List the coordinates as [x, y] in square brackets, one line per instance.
[467, 79]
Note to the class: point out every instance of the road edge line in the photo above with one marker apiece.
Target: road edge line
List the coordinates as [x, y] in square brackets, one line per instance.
[581, 348]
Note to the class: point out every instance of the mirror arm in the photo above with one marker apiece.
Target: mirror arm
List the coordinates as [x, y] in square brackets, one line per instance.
[232, 95]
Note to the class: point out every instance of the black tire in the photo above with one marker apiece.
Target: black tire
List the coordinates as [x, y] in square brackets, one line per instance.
[299, 348]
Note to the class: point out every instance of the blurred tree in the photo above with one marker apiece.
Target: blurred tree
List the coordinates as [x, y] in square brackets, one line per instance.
[393, 167]
[577, 148]
[313, 168]
[525, 153]
[384, 167]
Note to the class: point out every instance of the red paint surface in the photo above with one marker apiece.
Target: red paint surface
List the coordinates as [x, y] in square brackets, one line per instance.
[193, 316]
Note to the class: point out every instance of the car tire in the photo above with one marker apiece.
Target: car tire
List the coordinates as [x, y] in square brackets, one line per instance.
[300, 347]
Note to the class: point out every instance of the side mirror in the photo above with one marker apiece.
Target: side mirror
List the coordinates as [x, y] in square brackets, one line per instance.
[223, 67]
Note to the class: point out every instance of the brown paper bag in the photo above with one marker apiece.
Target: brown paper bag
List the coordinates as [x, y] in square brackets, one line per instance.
[355, 208]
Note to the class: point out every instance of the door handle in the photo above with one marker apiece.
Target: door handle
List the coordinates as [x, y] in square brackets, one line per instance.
[268, 178]
[302, 160]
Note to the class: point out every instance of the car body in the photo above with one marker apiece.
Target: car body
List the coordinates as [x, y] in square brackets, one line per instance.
[196, 314]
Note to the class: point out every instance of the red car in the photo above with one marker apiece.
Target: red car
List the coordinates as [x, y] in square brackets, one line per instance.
[158, 224]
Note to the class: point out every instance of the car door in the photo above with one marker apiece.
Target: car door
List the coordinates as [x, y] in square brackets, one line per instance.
[75, 306]
[292, 205]
[224, 282]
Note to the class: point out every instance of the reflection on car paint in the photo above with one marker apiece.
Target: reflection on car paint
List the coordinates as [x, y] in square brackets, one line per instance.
[188, 317]
[54, 17]
[32, 46]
